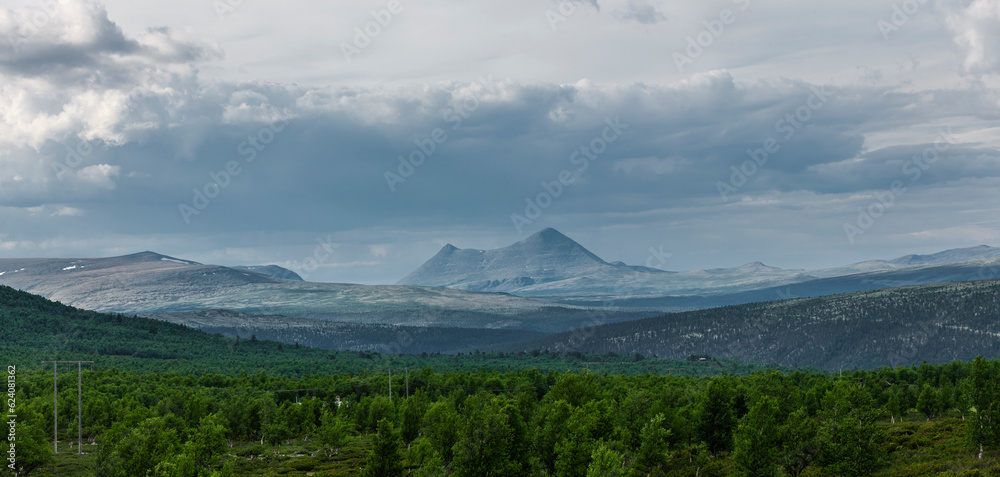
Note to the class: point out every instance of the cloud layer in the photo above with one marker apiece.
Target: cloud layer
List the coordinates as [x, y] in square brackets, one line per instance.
[116, 139]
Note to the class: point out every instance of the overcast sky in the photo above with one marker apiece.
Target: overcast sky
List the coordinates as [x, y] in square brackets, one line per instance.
[371, 133]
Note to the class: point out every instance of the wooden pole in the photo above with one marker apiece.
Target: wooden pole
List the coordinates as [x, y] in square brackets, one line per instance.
[55, 408]
[79, 406]
[55, 402]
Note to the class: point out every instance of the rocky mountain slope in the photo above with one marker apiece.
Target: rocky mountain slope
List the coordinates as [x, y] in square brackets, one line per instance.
[147, 282]
[549, 264]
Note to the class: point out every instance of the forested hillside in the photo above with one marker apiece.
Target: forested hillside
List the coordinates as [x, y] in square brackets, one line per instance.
[891, 327]
[926, 420]
[33, 329]
[346, 336]
[217, 407]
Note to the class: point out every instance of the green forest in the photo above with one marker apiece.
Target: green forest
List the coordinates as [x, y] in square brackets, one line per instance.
[164, 400]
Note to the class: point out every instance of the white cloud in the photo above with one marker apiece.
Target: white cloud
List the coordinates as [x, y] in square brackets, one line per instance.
[977, 31]
[76, 74]
[163, 108]
[68, 212]
[101, 176]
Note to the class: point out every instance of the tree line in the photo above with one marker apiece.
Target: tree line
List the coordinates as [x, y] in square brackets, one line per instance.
[517, 423]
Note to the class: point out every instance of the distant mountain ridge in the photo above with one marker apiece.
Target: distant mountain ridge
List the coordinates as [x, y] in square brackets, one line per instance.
[549, 283]
[950, 256]
[550, 264]
[147, 282]
[545, 257]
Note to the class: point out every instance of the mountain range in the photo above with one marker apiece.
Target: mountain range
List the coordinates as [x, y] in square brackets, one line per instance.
[546, 282]
[147, 283]
[550, 264]
[528, 293]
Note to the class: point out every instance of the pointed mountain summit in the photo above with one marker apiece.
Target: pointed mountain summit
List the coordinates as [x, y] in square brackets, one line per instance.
[545, 257]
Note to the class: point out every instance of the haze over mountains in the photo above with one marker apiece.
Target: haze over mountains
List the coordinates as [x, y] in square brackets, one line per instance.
[523, 293]
[550, 264]
[546, 275]
[147, 282]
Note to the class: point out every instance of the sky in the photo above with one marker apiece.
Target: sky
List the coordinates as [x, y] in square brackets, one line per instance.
[350, 141]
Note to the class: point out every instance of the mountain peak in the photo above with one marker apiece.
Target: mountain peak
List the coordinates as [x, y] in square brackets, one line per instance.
[545, 256]
[549, 234]
[551, 242]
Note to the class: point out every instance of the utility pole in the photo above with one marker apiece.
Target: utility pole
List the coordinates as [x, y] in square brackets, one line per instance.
[79, 407]
[79, 403]
[407, 381]
[55, 409]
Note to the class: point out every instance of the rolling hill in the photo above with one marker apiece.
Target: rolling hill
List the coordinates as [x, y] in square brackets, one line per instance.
[146, 283]
[889, 327]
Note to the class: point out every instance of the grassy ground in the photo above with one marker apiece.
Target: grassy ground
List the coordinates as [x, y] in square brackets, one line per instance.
[936, 447]
[297, 457]
[916, 448]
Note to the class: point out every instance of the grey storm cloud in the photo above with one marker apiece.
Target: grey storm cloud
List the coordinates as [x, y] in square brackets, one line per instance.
[501, 140]
[76, 44]
[103, 131]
